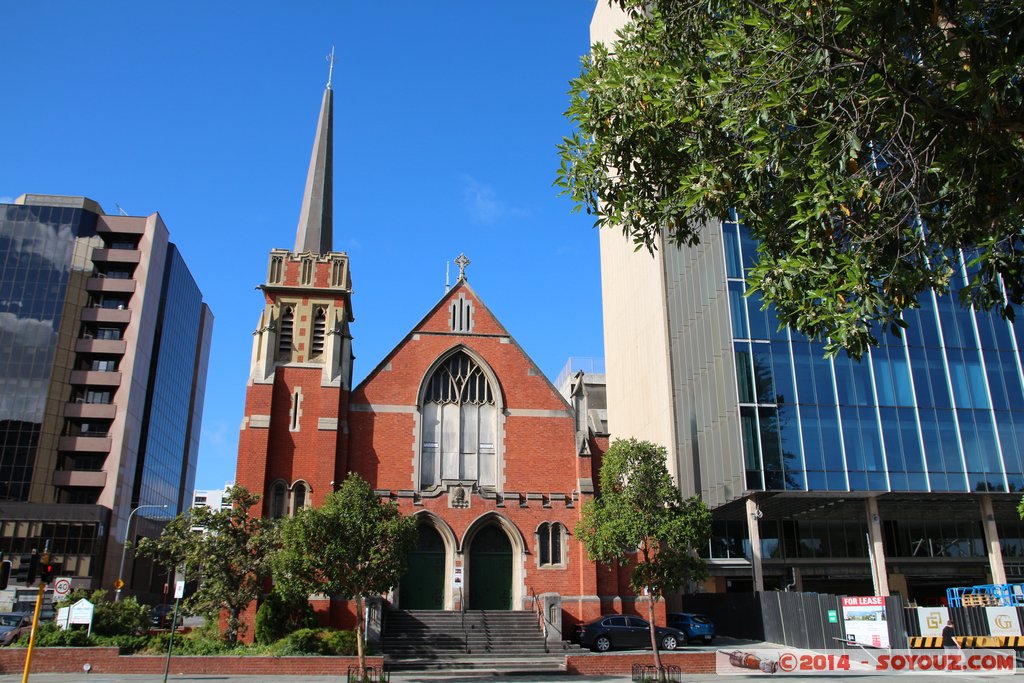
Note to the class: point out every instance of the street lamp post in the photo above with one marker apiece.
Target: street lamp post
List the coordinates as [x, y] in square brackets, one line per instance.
[124, 548]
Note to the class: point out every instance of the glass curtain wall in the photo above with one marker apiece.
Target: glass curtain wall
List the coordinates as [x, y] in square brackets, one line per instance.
[940, 409]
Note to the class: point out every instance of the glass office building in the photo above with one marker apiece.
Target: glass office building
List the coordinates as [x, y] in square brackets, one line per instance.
[900, 473]
[897, 473]
[104, 340]
[940, 408]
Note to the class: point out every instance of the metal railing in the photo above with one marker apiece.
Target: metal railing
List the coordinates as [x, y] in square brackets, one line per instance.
[648, 673]
[539, 609]
[369, 674]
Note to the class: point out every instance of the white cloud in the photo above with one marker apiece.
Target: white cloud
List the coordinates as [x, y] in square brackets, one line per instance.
[52, 243]
[25, 331]
[23, 397]
[483, 204]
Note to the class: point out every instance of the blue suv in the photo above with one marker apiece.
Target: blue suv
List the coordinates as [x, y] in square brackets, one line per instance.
[695, 626]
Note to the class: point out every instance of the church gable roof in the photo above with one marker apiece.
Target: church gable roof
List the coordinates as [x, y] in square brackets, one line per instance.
[456, 319]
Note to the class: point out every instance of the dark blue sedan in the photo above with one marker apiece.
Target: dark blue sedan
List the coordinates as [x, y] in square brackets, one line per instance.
[622, 631]
[695, 626]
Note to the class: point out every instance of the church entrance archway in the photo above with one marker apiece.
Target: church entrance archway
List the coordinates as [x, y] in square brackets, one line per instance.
[490, 570]
[422, 585]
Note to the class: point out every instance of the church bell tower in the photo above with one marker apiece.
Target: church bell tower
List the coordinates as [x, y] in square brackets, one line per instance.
[301, 369]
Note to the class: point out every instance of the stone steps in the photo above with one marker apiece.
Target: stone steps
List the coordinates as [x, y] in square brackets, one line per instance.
[418, 636]
[453, 666]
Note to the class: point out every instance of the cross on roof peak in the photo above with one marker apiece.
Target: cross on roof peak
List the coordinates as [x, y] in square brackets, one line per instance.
[462, 262]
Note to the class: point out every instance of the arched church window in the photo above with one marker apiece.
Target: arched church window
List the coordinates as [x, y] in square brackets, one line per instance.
[316, 344]
[284, 337]
[276, 269]
[300, 496]
[307, 271]
[459, 418]
[337, 272]
[549, 542]
[277, 495]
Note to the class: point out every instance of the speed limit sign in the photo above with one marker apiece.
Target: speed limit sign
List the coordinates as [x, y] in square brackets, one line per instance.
[62, 586]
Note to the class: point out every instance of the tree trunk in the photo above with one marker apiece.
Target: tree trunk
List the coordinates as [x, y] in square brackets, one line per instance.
[654, 635]
[360, 647]
[233, 625]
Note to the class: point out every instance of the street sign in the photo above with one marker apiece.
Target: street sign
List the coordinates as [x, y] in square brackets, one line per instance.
[118, 584]
[62, 587]
[179, 590]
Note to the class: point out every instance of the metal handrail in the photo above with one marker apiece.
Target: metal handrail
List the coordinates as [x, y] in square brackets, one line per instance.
[540, 618]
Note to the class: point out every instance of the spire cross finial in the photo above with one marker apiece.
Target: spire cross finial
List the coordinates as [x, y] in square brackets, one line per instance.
[330, 69]
[462, 262]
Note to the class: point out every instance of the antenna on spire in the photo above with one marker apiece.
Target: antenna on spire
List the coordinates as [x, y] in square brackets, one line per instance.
[447, 278]
[330, 69]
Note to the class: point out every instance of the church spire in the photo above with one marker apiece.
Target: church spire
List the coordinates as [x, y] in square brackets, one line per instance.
[315, 231]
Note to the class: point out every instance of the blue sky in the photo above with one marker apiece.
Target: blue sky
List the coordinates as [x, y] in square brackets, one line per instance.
[446, 119]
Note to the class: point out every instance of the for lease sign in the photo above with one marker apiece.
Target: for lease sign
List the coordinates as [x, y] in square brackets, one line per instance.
[864, 619]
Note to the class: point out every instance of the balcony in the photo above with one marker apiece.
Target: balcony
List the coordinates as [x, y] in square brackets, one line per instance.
[77, 478]
[106, 315]
[85, 444]
[110, 284]
[91, 411]
[96, 378]
[116, 256]
[121, 225]
[113, 346]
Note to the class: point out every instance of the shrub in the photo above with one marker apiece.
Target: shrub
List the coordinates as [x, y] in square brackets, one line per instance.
[315, 641]
[126, 617]
[278, 616]
[341, 643]
[48, 635]
[305, 641]
[125, 644]
[196, 643]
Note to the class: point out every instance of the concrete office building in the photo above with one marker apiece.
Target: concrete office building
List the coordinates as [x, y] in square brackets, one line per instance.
[898, 474]
[104, 341]
[215, 499]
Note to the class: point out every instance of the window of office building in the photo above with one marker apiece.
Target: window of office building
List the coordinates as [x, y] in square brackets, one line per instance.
[939, 408]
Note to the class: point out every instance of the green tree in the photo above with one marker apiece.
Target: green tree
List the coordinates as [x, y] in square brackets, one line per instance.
[229, 550]
[640, 520]
[354, 546]
[873, 147]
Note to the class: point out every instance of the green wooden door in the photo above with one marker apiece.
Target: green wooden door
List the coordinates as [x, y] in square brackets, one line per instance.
[422, 586]
[490, 570]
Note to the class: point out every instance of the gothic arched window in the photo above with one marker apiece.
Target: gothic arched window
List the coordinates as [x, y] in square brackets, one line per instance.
[459, 418]
[300, 497]
[549, 544]
[277, 494]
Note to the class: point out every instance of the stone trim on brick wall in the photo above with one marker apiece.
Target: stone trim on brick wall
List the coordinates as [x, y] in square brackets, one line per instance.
[106, 660]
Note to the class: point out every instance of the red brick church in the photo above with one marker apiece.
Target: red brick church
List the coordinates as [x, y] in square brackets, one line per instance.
[456, 424]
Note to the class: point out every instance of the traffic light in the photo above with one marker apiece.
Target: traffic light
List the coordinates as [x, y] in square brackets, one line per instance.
[46, 572]
[5, 573]
[27, 569]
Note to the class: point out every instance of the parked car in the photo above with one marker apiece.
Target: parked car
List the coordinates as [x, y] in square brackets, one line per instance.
[13, 624]
[160, 616]
[616, 630]
[695, 626]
